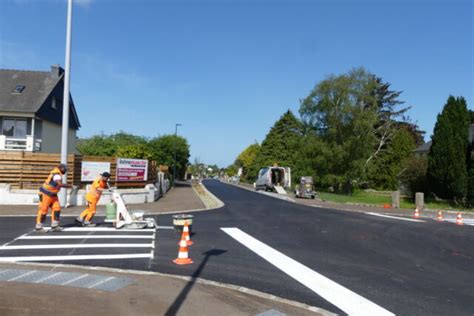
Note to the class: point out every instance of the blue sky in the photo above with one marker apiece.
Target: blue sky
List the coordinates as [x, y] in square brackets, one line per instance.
[228, 69]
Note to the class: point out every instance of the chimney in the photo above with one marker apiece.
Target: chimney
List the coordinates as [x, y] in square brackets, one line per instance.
[56, 71]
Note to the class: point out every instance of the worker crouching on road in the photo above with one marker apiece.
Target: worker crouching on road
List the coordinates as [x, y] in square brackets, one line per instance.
[48, 198]
[93, 196]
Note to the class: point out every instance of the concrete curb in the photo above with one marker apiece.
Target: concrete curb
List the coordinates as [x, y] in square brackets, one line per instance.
[211, 196]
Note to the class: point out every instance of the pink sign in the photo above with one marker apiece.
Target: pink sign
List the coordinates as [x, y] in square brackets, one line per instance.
[132, 169]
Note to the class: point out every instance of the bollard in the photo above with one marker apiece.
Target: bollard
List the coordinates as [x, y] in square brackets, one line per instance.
[396, 199]
[420, 200]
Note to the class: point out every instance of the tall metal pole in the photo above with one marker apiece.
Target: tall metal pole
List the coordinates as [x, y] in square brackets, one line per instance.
[65, 123]
[175, 140]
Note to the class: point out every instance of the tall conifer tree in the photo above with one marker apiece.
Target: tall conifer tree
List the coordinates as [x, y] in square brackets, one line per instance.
[447, 165]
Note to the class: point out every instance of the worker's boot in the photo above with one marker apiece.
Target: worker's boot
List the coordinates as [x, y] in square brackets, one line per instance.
[79, 221]
[55, 227]
[39, 227]
[88, 224]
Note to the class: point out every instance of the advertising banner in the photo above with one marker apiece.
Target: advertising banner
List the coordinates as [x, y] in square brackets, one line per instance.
[90, 170]
[132, 169]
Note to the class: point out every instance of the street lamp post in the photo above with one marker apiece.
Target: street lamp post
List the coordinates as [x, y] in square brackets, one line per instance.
[65, 121]
[175, 140]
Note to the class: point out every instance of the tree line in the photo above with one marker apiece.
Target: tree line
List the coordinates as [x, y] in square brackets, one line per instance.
[161, 149]
[353, 133]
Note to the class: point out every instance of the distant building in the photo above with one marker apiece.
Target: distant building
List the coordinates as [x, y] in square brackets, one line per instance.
[424, 149]
[31, 110]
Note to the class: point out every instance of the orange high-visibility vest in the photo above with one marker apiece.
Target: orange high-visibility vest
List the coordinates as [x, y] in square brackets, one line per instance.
[51, 187]
[94, 194]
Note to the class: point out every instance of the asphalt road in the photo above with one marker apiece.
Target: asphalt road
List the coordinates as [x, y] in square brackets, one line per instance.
[408, 268]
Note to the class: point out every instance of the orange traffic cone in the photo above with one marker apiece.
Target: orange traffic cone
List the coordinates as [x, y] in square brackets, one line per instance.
[459, 219]
[183, 253]
[416, 214]
[440, 216]
[186, 235]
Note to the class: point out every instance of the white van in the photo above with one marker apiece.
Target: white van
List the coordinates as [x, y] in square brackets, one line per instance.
[273, 179]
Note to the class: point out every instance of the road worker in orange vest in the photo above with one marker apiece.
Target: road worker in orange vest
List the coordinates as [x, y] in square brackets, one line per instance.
[93, 196]
[48, 198]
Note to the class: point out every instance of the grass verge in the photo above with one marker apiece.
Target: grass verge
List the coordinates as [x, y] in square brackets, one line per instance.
[362, 197]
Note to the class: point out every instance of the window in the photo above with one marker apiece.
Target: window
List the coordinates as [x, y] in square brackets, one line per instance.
[18, 89]
[14, 127]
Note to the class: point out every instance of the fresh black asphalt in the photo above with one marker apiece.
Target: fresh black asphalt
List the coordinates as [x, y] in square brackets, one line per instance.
[408, 268]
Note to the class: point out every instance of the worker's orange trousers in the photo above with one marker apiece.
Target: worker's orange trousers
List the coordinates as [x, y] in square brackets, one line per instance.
[89, 212]
[45, 203]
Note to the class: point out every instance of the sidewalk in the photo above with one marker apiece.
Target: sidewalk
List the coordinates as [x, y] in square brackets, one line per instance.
[179, 199]
[148, 294]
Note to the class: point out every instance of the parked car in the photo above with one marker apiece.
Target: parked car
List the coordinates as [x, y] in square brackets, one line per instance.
[273, 179]
[305, 189]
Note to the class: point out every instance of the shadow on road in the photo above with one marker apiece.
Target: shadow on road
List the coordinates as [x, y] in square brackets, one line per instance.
[184, 292]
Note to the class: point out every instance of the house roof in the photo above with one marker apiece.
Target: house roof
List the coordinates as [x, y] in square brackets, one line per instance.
[423, 148]
[38, 87]
[426, 146]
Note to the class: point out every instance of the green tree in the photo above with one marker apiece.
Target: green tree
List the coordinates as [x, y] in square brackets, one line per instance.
[109, 145]
[280, 146]
[413, 176]
[231, 170]
[447, 163]
[246, 159]
[470, 175]
[384, 172]
[163, 149]
[137, 151]
[355, 115]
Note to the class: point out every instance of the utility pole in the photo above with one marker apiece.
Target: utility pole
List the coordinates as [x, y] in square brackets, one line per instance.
[65, 126]
[175, 141]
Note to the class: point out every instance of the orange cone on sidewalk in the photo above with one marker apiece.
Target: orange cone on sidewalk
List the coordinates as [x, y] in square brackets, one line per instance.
[183, 252]
[416, 214]
[440, 216]
[186, 235]
[459, 219]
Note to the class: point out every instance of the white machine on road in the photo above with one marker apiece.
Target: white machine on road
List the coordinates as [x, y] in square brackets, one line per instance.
[126, 219]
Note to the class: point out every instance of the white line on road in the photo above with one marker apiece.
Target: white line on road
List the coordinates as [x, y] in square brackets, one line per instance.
[75, 279]
[76, 257]
[101, 229]
[100, 282]
[48, 277]
[89, 237]
[21, 276]
[465, 221]
[69, 246]
[395, 217]
[164, 227]
[343, 298]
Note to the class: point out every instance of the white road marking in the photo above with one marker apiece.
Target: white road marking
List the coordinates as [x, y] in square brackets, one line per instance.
[48, 277]
[69, 246]
[20, 276]
[75, 279]
[396, 217]
[101, 229]
[165, 227]
[343, 298]
[101, 282]
[89, 237]
[465, 221]
[76, 257]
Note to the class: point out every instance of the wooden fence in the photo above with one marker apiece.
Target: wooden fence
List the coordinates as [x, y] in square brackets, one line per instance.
[25, 170]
